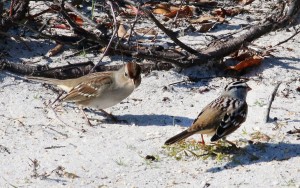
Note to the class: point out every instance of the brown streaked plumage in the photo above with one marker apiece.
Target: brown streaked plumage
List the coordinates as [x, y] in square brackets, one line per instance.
[222, 116]
[99, 90]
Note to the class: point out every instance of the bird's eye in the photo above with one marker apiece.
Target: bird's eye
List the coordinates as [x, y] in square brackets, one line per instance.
[126, 74]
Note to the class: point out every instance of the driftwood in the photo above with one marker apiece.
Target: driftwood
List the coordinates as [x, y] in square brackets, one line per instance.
[187, 58]
[72, 70]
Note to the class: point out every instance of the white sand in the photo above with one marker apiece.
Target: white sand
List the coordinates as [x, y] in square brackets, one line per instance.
[112, 154]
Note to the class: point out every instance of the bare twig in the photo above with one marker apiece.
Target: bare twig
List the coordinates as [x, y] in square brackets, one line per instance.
[284, 41]
[170, 34]
[79, 30]
[175, 19]
[111, 39]
[134, 22]
[62, 134]
[54, 147]
[271, 99]
[97, 46]
[71, 7]
[294, 131]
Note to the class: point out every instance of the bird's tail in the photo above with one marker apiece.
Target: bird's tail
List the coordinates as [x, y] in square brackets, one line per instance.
[63, 84]
[215, 138]
[179, 137]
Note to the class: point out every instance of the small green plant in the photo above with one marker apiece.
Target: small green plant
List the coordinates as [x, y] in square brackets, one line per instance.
[83, 53]
[130, 147]
[36, 96]
[120, 162]
[244, 131]
[93, 9]
[187, 149]
[259, 103]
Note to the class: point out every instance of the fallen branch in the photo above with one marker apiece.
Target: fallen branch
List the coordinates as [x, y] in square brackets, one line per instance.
[72, 70]
[188, 58]
[64, 72]
[170, 34]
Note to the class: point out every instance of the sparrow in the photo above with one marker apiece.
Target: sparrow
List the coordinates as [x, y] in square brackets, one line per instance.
[221, 117]
[99, 90]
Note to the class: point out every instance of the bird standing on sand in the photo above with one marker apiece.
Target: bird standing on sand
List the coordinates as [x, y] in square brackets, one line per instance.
[99, 90]
[221, 117]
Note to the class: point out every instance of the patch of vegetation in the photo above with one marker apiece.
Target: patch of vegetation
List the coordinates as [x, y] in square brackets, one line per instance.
[193, 149]
[120, 162]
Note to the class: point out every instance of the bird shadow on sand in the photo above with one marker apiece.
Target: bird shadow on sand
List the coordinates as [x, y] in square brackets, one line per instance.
[259, 153]
[149, 120]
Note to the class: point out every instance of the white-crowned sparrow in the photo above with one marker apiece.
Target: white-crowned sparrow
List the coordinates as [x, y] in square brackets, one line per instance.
[99, 90]
[222, 116]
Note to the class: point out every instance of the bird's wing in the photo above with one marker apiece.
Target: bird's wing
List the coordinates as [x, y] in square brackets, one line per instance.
[206, 121]
[232, 120]
[93, 86]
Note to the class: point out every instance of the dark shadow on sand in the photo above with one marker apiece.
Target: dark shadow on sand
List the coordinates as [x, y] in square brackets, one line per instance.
[259, 153]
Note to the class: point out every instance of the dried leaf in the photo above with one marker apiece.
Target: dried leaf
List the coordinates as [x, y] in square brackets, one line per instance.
[164, 6]
[208, 19]
[259, 136]
[203, 19]
[134, 10]
[253, 61]
[58, 48]
[76, 18]
[172, 11]
[240, 56]
[122, 32]
[206, 27]
[162, 11]
[146, 31]
[61, 26]
[186, 11]
[245, 2]
[227, 12]
[70, 175]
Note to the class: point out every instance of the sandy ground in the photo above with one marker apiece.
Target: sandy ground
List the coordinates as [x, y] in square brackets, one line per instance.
[113, 154]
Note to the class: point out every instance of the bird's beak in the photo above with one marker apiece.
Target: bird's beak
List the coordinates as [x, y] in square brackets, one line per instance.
[249, 88]
[136, 82]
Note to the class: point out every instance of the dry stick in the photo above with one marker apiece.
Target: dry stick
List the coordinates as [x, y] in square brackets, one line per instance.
[284, 41]
[45, 36]
[111, 39]
[79, 30]
[175, 19]
[134, 22]
[294, 131]
[84, 50]
[170, 34]
[271, 99]
[71, 7]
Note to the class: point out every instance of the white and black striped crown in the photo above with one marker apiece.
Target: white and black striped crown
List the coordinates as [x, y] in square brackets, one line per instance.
[236, 85]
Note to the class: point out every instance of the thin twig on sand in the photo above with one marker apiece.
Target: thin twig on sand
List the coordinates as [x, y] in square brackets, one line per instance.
[271, 99]
[111, 39]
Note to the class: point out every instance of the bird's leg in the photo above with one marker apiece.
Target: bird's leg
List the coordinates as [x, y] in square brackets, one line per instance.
[203, 142]
[109, 115]
[85, 117]
[58, 98]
